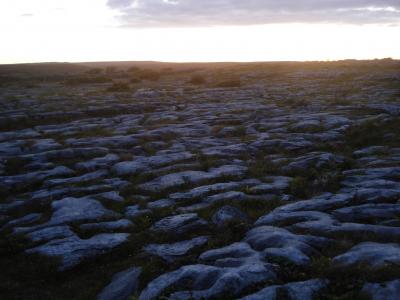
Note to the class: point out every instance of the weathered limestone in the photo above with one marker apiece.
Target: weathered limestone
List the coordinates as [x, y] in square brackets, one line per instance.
[305, 290]
[123, 285]
[179, 224]
[371, 254]
[171, 252]
[382, 291]
[74, 250]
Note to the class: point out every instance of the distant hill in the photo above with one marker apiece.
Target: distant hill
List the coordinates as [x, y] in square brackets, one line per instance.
[157, 65]
[41, 69]
[44, 70]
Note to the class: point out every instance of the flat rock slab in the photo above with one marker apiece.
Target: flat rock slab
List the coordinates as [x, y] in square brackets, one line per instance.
[74, 250]
[34, 177]
[123, 285]
[324, 202]
[179, 224]
[277, 184]
[208, 281]
[96, 175]
[112, 196]
[175, 180]
[70, 210]
[205, 190]
[368, 212]
[134, 211]
[28, 219]
[50, 233]
[228, 213]
[141, 164]
[98, 163]
[314, 160]
[383, 291]
[171, 252]
[305, 290]
[227, 196]
[373, 254]
[279, 242]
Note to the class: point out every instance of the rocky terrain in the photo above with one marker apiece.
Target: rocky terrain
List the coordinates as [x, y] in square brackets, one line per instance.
[241, 182]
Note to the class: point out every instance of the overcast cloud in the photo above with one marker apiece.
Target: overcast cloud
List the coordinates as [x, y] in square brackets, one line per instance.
[187, 13]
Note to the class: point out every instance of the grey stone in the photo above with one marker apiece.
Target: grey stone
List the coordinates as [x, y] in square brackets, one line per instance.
[324, 202]
[367, 212]
[123, 285]
[97, 175]
[224, 151]
[32, 177]
[208, 281]
[314, 160]
[283, 218]
[141, 164]
[305, 290]
[202, 191]
[50, 233]
[171, 252]
[42, 145]
[136, 211]
[279, 242]
[330, 228]
[383, 291]
[79, 210]
[192, 177]
[233, 255]
[228, 213]
[179, 224]
[112, 196]
[278, 184]
[162, 203]
[227, 196]
[373, 254]
[98, 163]
[25, 220]
[74, 250]
[370, 151]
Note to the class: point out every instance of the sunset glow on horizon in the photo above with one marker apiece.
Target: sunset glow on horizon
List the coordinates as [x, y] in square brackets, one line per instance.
[100, 30]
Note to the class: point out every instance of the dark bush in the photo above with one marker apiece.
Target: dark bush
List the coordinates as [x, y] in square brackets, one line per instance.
[299, 187]
[119, 87]
[95, 71]
[86, 80]
[229, 83]
[197, 80]
[150, 75]
[14, 165]
[111, 69]
[133, 70]
[167, 71]
[135, 80]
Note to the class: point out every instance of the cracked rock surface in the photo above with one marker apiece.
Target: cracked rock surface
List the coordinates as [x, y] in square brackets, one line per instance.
[285, 187]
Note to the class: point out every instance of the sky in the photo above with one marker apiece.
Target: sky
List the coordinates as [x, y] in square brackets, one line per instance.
[197, 30]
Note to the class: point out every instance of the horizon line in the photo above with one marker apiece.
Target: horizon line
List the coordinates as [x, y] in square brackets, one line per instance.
[199, 62]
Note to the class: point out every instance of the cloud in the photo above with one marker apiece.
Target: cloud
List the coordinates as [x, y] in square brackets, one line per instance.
[193, 13]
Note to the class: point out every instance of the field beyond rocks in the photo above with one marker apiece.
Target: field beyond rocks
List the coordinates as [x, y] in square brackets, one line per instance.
[200, 181]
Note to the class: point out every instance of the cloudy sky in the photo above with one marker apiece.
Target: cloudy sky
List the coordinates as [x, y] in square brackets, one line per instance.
[194, 30]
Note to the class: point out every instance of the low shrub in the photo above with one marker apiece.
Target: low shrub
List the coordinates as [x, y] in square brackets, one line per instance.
[197, 80]
[229, 83]
[86, 80]
[149, 75]
[119, 87]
